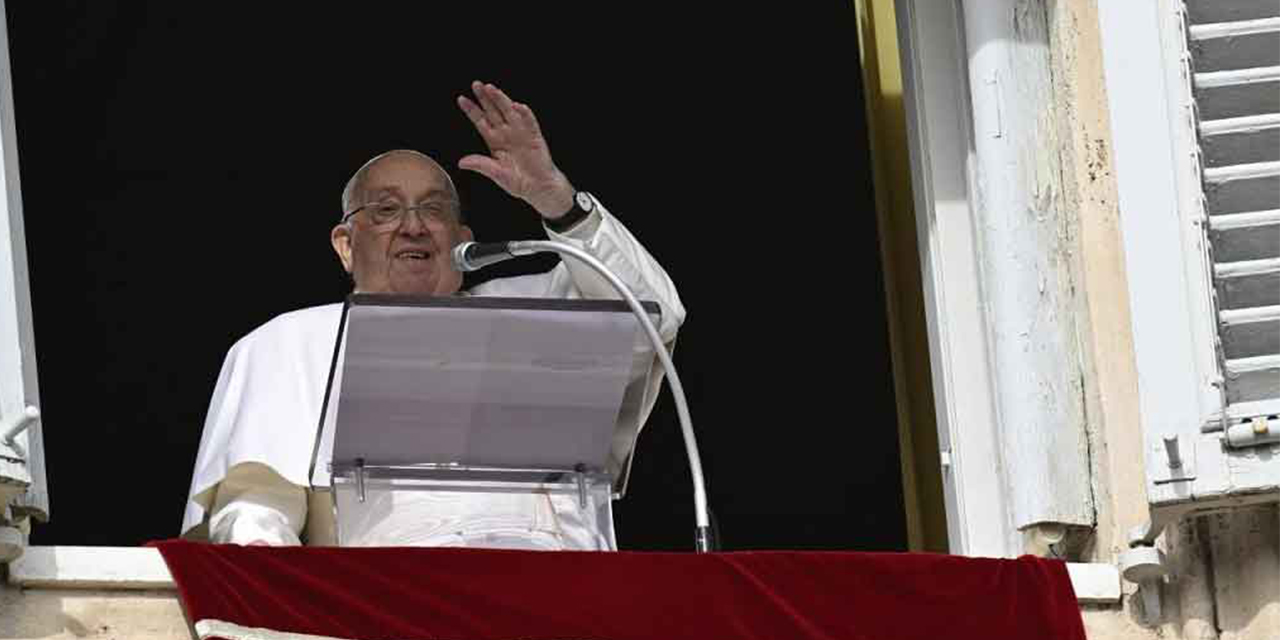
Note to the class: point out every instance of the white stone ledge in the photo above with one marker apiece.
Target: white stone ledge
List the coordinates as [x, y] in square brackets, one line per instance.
[91, 568]
[122, 568]
[1095, 582]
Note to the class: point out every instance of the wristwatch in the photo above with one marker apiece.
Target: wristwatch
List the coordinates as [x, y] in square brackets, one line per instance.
[583, 205]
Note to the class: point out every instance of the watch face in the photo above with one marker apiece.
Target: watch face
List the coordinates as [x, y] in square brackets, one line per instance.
[584, 201]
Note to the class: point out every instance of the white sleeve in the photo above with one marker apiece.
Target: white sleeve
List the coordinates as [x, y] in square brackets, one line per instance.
[604, 237]
[255, 504]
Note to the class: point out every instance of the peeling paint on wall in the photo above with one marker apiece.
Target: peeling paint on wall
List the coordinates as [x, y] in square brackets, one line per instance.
[1026, 243]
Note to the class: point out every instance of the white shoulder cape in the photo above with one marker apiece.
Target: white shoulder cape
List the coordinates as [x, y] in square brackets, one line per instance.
[266, 403]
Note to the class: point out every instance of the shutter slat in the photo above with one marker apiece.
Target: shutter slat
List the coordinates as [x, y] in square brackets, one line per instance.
[1221, 54]
[1210, 11]
[1250, 339]
[1237, 101]
[1244, 410]
[1221, 46]
[1247, 220]
[1221, 175]
[1253, 379]
[1236, 77]
[1232, 317]
[1247, 268]
[1255, 364]
[1234, 29]
[1254, 290]
[1233, 192]
[1243, 124]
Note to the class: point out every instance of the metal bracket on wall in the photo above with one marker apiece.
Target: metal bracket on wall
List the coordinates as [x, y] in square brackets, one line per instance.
[1144, 564]
[1179, 455]
[10, 427]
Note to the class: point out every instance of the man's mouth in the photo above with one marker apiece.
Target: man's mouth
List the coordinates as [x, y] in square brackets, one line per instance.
[413, 254]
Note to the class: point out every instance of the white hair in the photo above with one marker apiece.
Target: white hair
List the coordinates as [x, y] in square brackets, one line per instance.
[352, 189]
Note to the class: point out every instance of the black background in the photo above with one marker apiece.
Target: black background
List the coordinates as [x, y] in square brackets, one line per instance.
[182, 165]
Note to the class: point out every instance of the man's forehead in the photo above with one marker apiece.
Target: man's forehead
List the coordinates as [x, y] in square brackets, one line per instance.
[395, 191]
[400, 171]
[405, 174]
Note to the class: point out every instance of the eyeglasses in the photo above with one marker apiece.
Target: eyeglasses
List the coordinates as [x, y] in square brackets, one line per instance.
[390, 213]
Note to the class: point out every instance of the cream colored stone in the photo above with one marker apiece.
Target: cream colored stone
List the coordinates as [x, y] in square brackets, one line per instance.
[1224, 580]
[31, 614]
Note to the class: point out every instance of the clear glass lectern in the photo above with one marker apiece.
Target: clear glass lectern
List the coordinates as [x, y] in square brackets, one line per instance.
[480, 394]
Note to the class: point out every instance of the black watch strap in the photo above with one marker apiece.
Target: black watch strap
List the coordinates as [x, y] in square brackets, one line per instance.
[567, 221]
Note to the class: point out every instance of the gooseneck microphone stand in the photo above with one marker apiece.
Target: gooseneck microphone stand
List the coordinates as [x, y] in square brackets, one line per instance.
[470, 256]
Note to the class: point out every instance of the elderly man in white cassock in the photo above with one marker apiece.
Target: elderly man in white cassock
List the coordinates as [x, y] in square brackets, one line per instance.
[401, 216]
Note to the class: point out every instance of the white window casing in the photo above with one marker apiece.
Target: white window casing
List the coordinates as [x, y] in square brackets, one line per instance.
[935, 96]
[1026, 240]
[22, 483]
[1002, 341]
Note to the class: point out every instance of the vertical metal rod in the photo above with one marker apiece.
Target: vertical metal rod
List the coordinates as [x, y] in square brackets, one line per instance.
[360, 479]
[579, 472]
[1171, 449]
[702, 539]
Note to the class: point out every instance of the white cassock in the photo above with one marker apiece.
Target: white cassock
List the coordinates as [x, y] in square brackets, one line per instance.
[251, 475]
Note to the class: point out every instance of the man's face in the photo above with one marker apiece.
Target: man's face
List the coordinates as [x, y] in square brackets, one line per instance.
[409, 255]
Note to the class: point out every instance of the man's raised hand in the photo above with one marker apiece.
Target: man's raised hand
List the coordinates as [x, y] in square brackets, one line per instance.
[520, 161]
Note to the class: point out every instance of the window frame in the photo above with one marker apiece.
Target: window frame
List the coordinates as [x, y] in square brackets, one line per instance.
[977, 511]
[1169, 279]
[936, 99]
[22, 461]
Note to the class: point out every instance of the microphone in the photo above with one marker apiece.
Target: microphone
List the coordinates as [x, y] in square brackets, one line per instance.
[470, 256]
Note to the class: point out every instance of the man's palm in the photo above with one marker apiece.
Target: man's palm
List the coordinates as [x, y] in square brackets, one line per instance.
[520, 161]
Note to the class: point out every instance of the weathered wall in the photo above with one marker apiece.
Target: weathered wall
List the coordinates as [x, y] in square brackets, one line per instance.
[50, 614]
[1023, 237]
[1225, 567]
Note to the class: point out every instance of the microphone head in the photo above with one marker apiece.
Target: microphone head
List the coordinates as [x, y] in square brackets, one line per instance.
[470, 256]
[459, 256]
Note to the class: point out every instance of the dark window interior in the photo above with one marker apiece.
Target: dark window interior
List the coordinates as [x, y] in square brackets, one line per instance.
[182, 166]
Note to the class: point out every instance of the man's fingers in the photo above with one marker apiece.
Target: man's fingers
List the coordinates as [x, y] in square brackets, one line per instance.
[473, 111]
[503, 103]
[477, 117]
[483, 165]
[491, 111]
[523, 112]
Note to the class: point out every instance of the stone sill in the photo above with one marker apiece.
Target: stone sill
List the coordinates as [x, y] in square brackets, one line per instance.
[104, 568]
[134, 568]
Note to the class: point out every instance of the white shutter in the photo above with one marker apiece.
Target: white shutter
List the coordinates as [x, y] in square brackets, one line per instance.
[1234, 60]
[22, 485]
[1193, 93]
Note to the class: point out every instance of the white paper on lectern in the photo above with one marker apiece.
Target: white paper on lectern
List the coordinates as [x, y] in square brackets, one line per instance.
[482, 387]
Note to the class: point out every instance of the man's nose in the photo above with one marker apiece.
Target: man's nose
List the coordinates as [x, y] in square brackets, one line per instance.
[413, 224]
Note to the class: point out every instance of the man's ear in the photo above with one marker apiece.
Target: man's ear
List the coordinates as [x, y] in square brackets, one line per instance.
[466, 234]
[340, 237]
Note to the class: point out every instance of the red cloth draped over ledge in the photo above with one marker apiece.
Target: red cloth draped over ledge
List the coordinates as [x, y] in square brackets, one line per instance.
[296, 593]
